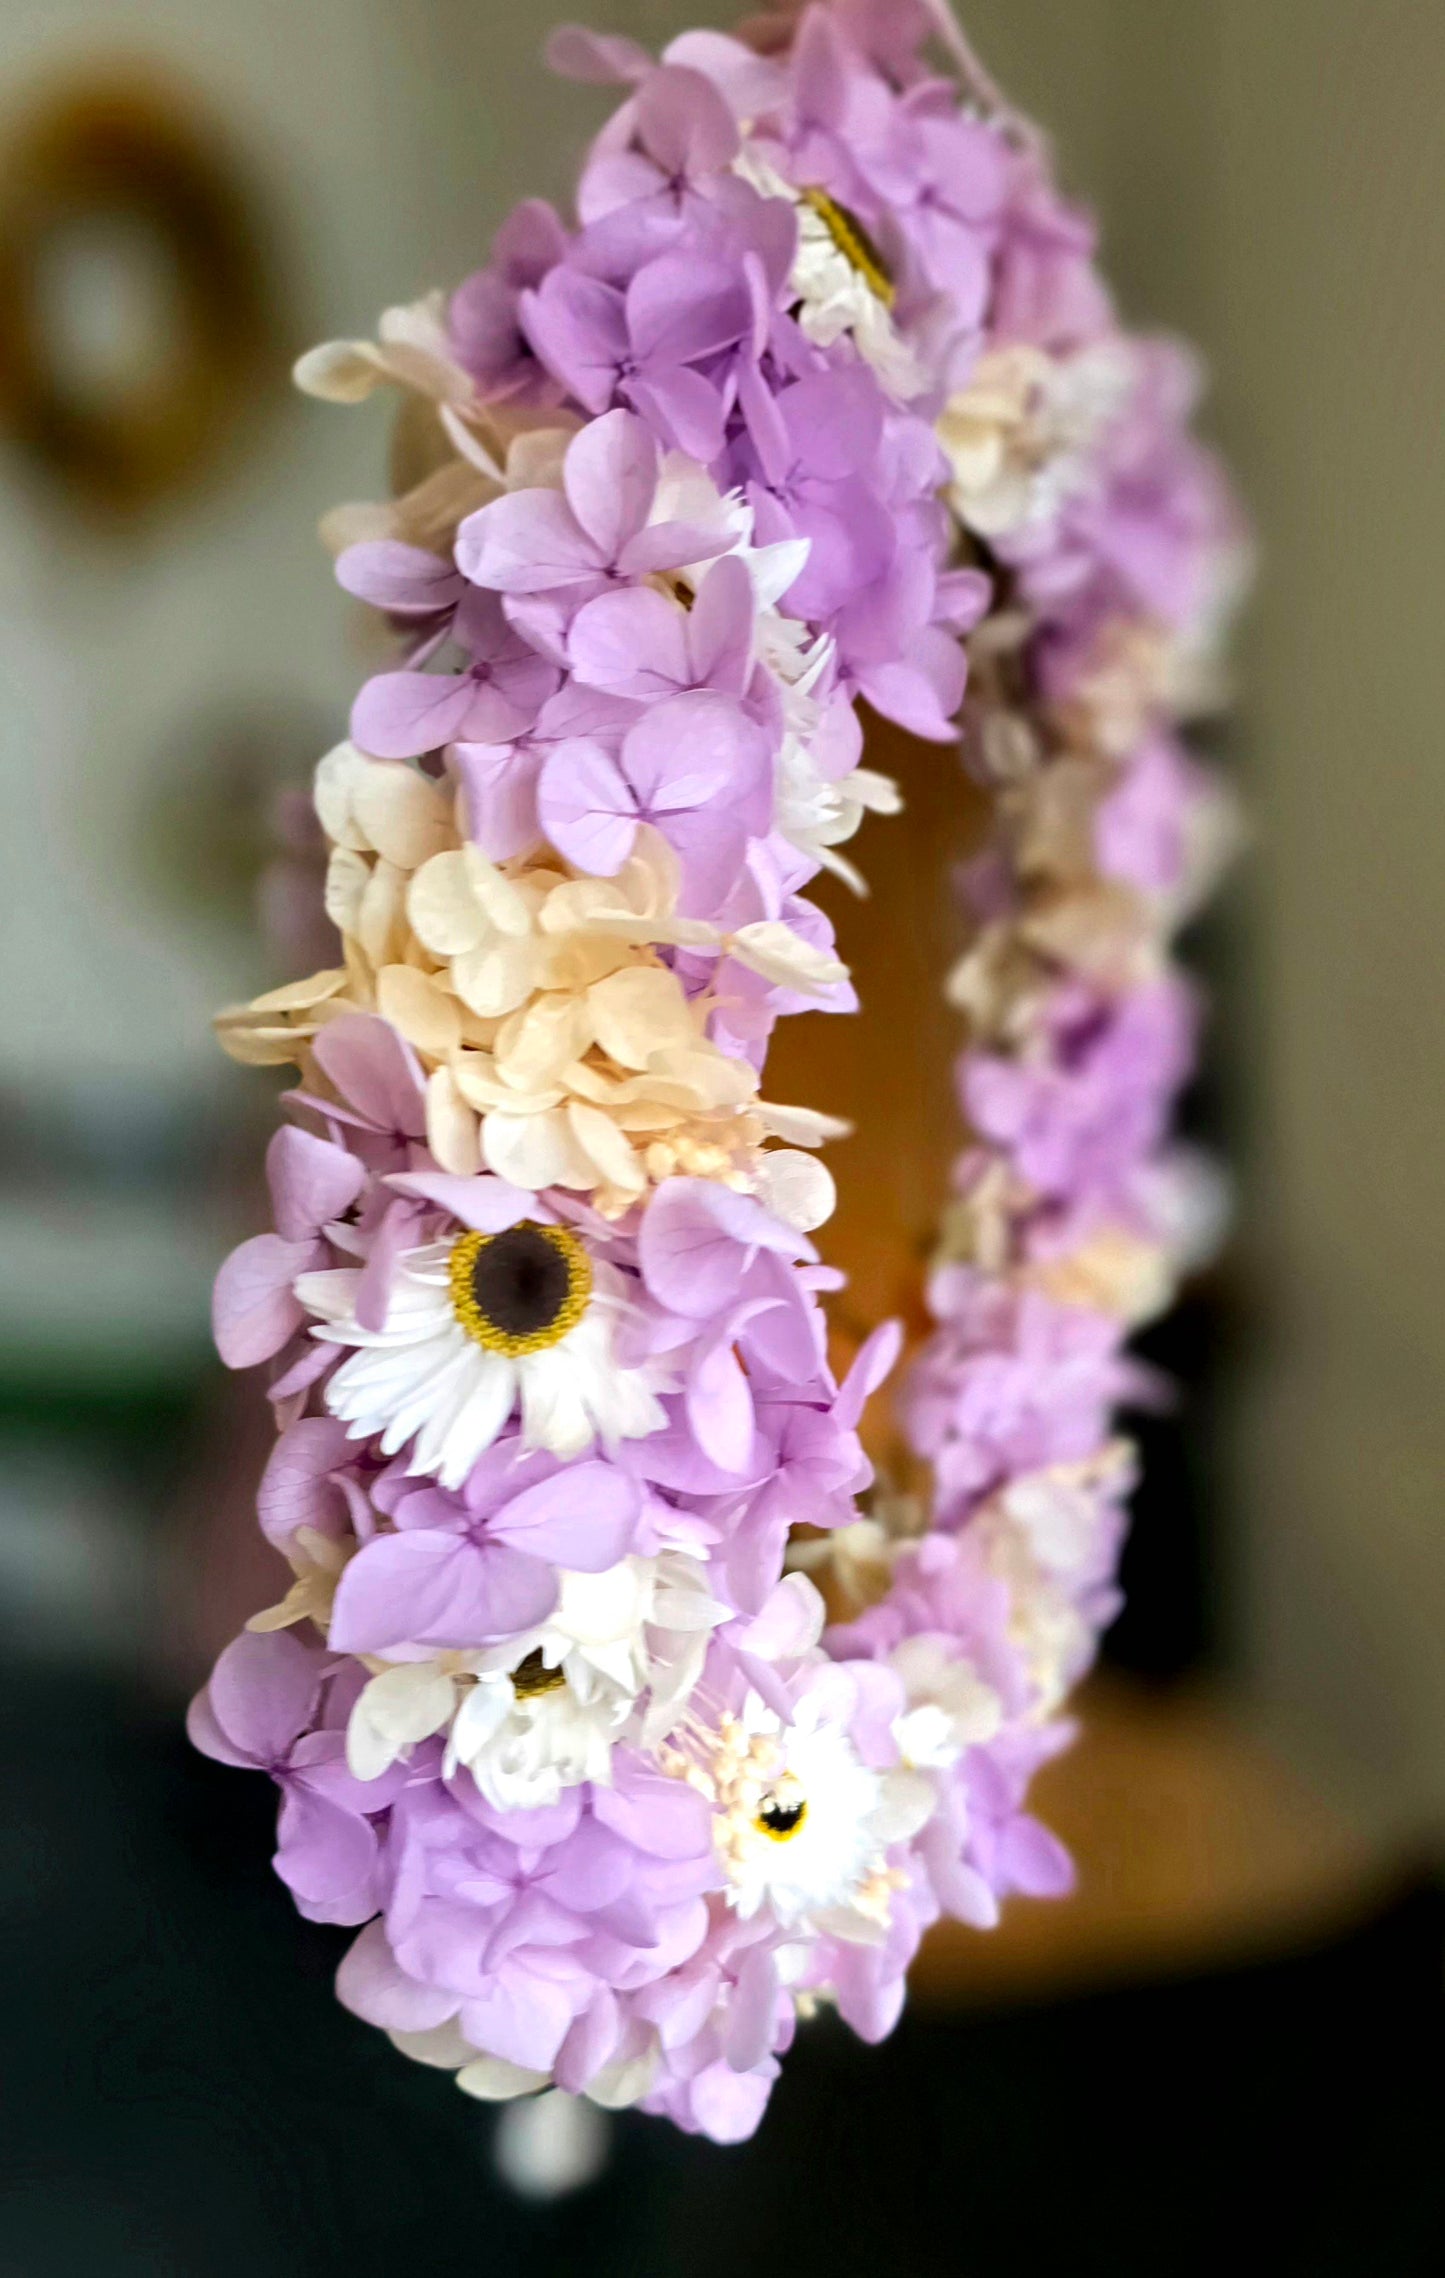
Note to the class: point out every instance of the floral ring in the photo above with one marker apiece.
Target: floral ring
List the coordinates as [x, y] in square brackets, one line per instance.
[618, 1728]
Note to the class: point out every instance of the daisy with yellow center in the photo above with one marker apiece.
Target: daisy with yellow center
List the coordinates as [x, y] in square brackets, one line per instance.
[801, 1824]
[522, 1291]
[476, 1328]
[615, 1660]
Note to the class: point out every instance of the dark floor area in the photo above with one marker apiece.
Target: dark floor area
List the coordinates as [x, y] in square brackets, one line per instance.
[183, 2099]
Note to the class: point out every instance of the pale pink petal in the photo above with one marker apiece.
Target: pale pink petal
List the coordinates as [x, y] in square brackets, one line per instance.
[683, 406]
[610, 475]
[684, 123]
[586, 808]
[583, 1518]
[254, 1308]
[528, 542]
[297, 1489]
[632, 643]
[376, 1070]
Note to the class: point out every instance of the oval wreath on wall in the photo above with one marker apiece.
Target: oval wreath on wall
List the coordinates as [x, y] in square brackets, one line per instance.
[140, 299]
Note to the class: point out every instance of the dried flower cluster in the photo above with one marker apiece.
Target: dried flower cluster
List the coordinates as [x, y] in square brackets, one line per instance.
[819, 402]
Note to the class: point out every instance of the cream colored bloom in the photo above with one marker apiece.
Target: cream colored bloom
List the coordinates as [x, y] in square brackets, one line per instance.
[1115, 1271]
[1021, 438]
[560, 1049]
[453, 452]
[950, 1708]
[317, 1561]
[1038, 1535]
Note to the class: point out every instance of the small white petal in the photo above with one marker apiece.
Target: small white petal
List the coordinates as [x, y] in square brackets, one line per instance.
[796, 1188]
[773, 949]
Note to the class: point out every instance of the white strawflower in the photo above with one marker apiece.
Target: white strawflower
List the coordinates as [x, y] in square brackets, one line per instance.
[475, 1328]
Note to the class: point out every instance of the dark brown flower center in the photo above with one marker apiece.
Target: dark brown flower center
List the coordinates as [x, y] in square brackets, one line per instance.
[532, 1678]
[520, 1291]
[781, 1817]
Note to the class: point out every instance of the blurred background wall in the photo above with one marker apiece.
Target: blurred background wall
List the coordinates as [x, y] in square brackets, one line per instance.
[1271, 179]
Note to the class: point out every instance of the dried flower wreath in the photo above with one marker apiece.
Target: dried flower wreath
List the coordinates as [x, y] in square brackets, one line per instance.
[820, 403]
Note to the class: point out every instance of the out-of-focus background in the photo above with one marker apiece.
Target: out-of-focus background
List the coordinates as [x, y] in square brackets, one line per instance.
[1241, 2012]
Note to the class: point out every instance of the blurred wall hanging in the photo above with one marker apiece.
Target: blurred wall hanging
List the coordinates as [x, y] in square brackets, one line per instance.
[140, 300]
[622, 1732]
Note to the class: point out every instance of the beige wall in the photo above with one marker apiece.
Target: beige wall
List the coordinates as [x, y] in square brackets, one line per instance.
[1329, 236]
[1273, 176]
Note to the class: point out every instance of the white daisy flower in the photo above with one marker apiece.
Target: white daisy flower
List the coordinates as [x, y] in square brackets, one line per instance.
[525, 1734]
[802, 1824]
[616, 1659]
[476, 1327]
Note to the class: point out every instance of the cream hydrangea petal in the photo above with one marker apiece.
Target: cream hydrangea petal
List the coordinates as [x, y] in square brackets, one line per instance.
[482, 1086]
[444, 2046]
[535, 1151]
[348, 874]
[380, 915]
[258, 1044]
[510, 904]
[494, 2081]
[497, 976]
[796, 1188]
[405, 817]
[398, 1708]
[908, 1802]
[445, 914]
[534, 458]
[340, 371]
[773, 949]
[605, 1147]
[417, 1004]
[704, 1076]
[334, 796]
[274, 1026]
[802, 1126]
[412, 352]
[638, 1012]
[618, 2086]
[639, 904]
[451, 1126]
[538, 1042]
